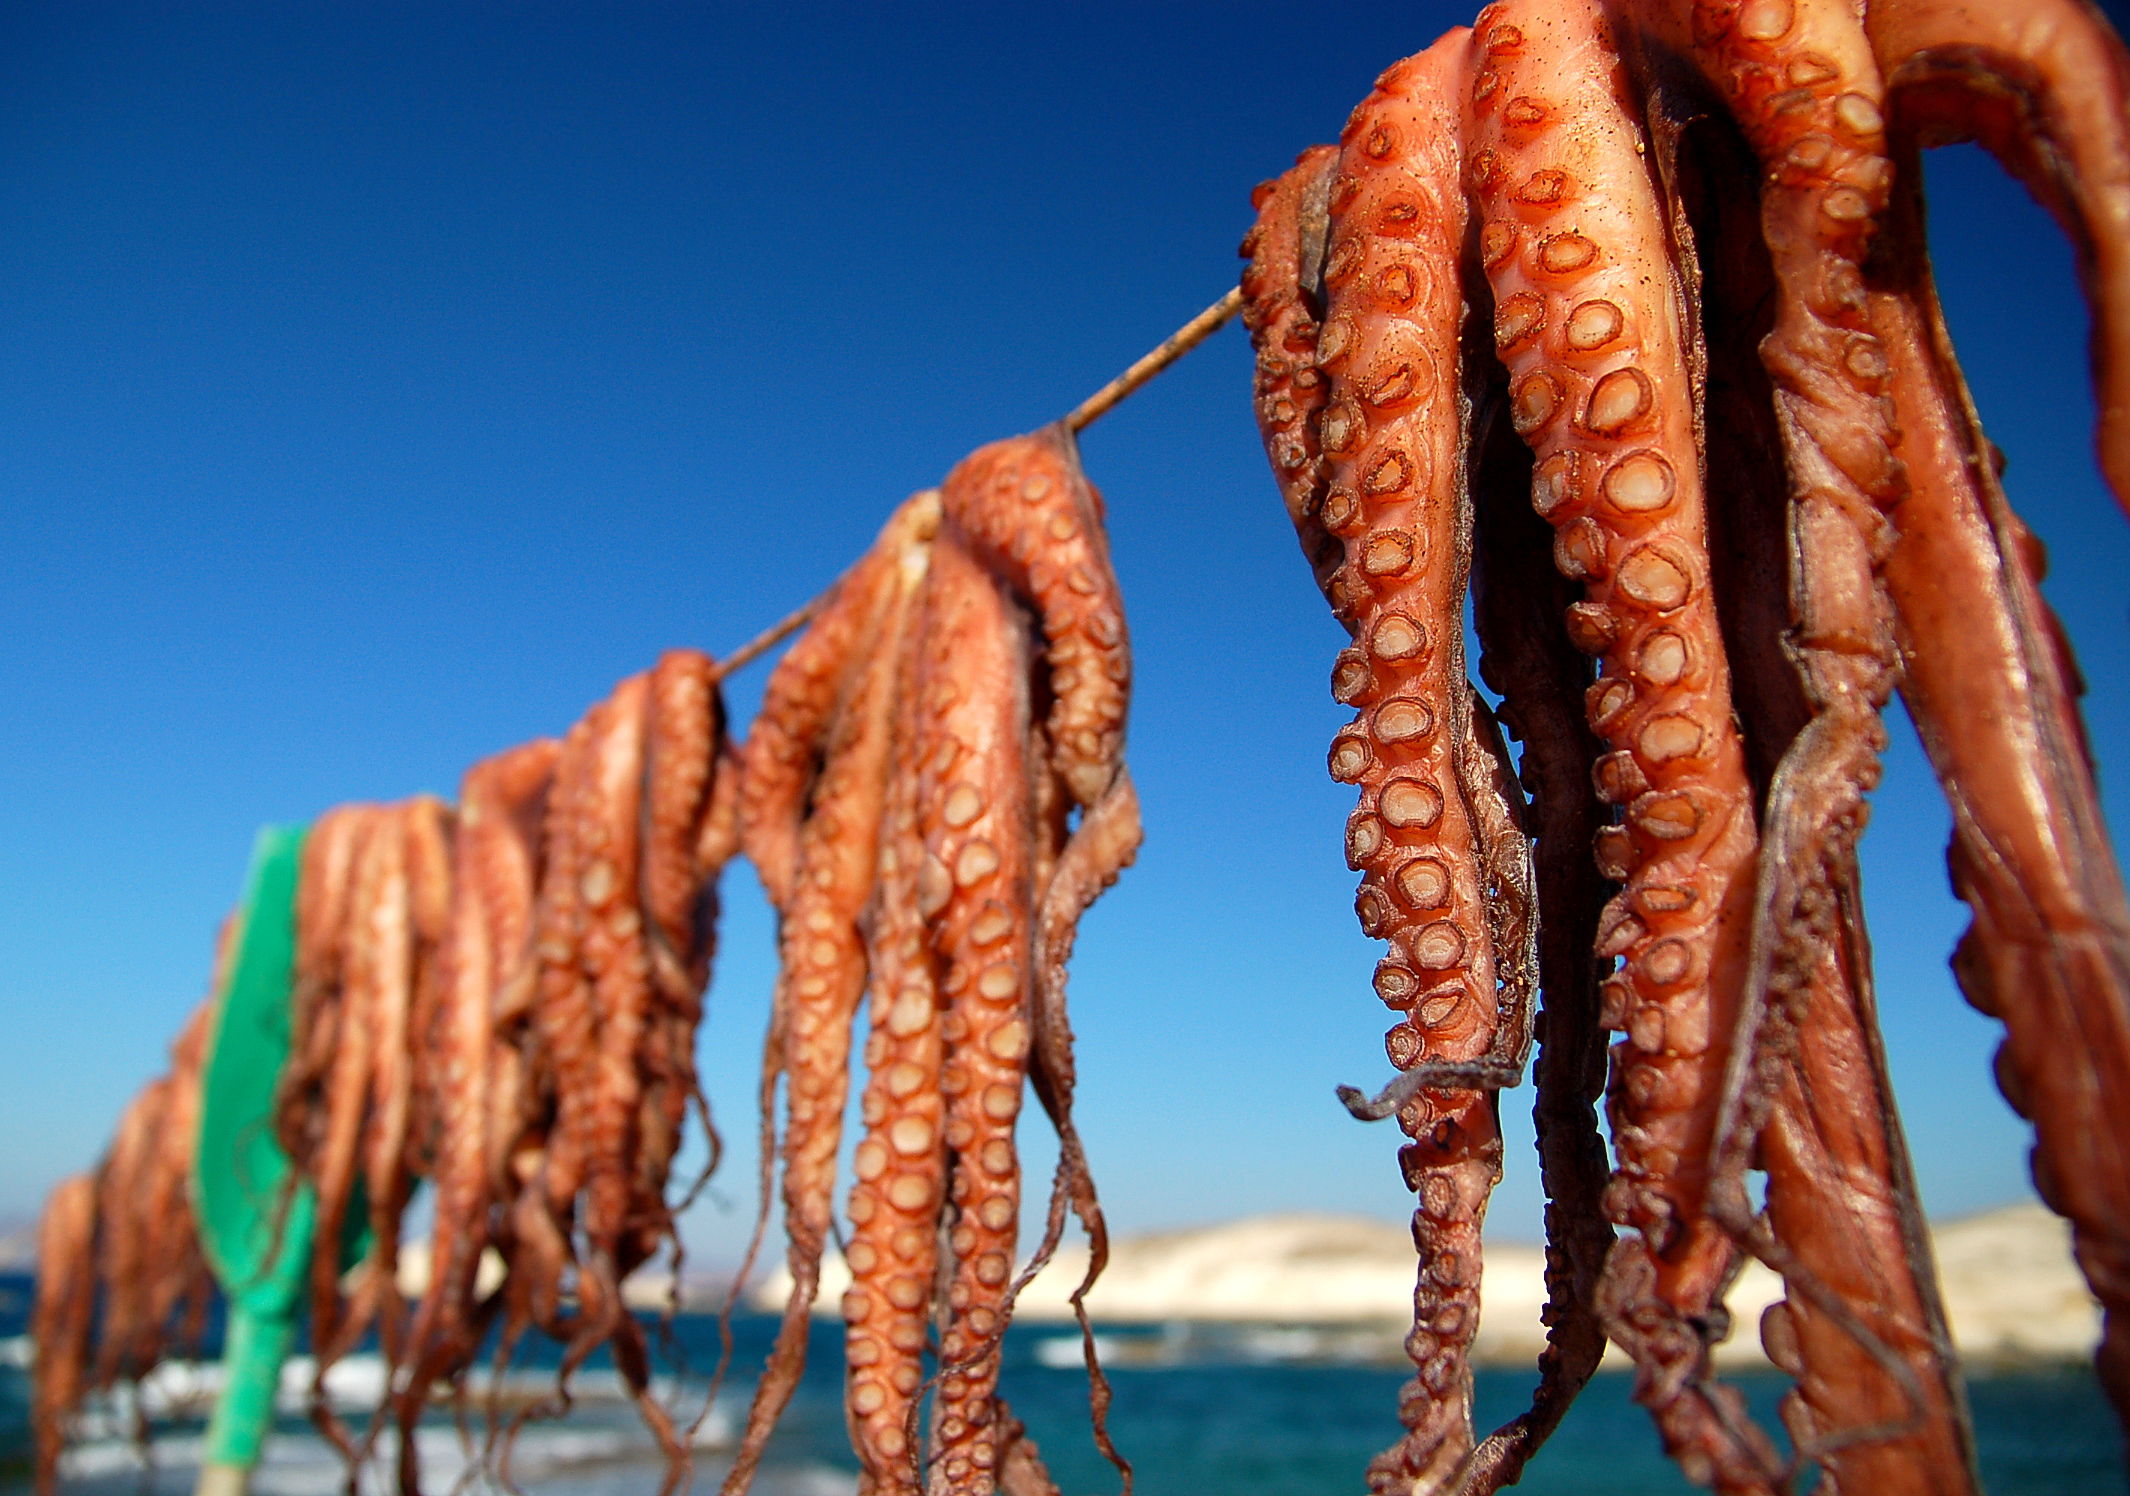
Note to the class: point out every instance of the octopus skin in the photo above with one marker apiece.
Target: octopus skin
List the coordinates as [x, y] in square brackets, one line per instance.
[1585, 322]
[1993, 693]
[1026, 512]
[1391, 436]
[2043, 85]
[62, 1320]
[896, 1193]
[975, 890]
[486, 943]
[823, 966]
[1517, 600]
[1281, 291]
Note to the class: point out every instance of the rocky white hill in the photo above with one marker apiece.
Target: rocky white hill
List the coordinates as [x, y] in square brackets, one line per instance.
[2011, 1290]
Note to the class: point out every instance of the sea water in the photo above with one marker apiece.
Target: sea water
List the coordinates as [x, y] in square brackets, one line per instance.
[1252, 1412]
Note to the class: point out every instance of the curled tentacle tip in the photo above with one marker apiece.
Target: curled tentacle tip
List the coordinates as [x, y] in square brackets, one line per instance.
[1364, 1108]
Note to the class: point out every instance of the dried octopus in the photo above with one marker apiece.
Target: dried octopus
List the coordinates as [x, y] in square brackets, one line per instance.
[501, 999]
[908, 797]
[560, 1045]
[1540, 265]
[122, 1281]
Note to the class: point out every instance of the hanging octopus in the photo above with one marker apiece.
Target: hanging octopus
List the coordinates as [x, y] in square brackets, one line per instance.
[1658, 268]
[122, 1281]
[910, 782]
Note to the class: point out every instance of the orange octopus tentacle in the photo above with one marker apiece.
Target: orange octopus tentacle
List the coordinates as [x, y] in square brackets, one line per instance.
[179, 1275]
[1803, 85]
[1096, 854]
[61, 1319]
[565, 1032]
[486, 944]
[1878, 1402]
[1281, 301]
[126, 1238]
[336, 1324]
[1392, 436]
[782, 754]
[1585, 321]
[391, 968]
[1518, 599]
[1994, 699]
[430, 823]
[324, 887]
[975, 890]
[1027, 513]
[615, 961]
[683, 754]
[683, 739]
[2044, 85]
[895, 1200]
[823, 965]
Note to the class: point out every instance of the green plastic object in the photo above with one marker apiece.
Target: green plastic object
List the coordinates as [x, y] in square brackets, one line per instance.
[256, 1227]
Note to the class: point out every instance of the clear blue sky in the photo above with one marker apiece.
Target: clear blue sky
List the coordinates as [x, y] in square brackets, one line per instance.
[380, 383]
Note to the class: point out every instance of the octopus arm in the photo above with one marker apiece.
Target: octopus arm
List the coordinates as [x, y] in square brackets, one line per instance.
[1093, 857]
[975, 889]
[1994, 698]
[1281, 290]
[684, 734]
[1586, 320]
[484, 943]
[782, 755]
[2044, 85]
[562, 1041]
[125, 1243]
[1026, 511]
[180, 1275]
[822, 972]
[337, 1323]
[62, 1318]
[898, 1191]
[391, 966]
[1877, 1404]
[1392, 434]
[1517, 598]
[617, 964]
[429, 826]
[324, 887]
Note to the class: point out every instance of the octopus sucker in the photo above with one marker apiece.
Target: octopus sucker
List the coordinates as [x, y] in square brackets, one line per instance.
[823, 966]
[1281, 306]
[896, 1196]
[1026, 512]
[1994, 699]
[1431, 835]
[2044, 86]
[1618, 476]
[975, 825]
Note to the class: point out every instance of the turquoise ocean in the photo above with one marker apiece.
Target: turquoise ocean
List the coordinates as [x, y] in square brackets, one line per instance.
[1198, 1409]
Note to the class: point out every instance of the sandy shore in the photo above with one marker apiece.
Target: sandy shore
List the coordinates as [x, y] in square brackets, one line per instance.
[2011, 1289]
